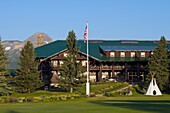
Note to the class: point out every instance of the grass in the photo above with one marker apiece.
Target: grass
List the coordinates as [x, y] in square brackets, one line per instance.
[108, 86]
[126, 104]
[100, 88]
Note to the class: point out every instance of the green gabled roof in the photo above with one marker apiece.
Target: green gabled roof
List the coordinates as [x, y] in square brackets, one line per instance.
[50, 49]
[96, 48]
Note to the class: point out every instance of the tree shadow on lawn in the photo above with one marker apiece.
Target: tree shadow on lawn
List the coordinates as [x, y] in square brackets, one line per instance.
[12, 111]
[156, 106]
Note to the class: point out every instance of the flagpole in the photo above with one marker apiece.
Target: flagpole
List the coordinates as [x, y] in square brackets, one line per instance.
[87, 83]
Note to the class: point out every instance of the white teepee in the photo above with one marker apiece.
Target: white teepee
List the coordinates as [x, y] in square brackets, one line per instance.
[153, 88]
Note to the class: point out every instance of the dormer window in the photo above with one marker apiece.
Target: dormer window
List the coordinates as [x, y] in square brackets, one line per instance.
[142, 54]
[112, 54]
[132, 54]
[122, 54]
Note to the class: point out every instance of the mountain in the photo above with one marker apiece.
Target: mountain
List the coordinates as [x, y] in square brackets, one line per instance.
[33, 38]
[13, 48]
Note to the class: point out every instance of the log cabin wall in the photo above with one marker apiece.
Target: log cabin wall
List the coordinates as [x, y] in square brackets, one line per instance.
[127, 54]
[117, 53]
[111, 69]
[107, 53]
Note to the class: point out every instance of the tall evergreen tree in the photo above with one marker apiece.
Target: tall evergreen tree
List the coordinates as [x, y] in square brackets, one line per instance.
[71, 70]
[158, 64]
[4, 86]
[28, 76]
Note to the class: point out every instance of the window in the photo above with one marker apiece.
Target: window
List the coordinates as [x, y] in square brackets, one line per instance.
[132, 54]
[65, 54]
[84, 63]
[112, 54]
[54, 72]
[61, 62]
[122, 54]
[54, 63]
[142, 54]
[152, 53]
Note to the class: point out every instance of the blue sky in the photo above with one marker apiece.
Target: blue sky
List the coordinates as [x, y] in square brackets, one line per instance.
[107, 19]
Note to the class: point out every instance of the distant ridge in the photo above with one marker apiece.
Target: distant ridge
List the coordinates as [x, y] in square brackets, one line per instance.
[11, 41]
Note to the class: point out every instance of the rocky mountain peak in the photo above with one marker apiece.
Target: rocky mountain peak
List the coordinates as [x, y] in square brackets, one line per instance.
[34, 38]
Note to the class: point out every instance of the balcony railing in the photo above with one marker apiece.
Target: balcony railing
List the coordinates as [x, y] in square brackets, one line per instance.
[107, 67]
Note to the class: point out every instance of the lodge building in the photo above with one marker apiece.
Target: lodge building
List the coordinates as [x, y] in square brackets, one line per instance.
[125, 60]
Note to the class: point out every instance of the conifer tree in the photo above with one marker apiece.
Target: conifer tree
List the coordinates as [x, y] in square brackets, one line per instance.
[4, 86]
[28, 76]
[158, 64]
[71, 70]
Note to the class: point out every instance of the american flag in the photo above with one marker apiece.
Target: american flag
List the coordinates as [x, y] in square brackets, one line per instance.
[85, 33]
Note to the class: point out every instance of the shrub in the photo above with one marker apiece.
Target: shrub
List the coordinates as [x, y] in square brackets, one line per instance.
[30, 99]
[37, 99]
[139, 90]
[12, 100]
[63, 97]
[111, 94]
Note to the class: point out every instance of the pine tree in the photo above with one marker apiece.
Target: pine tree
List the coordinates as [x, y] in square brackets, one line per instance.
[4, 86]
[28, 76]
[71, 70]
[158, 64]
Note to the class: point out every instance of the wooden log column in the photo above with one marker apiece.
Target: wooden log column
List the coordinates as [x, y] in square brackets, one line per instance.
[109, 74]
[126, 73]
[100, 72]
[97, 76]
[138, 72]
[113, 71]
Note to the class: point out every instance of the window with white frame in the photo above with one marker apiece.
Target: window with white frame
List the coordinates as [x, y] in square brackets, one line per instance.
[65, 54]
[54, 63]
[84, 63]
[112, 54]
[122, 54]
[142, 54]
[132, 54]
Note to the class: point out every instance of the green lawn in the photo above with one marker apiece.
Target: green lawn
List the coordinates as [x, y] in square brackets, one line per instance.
[139, 104]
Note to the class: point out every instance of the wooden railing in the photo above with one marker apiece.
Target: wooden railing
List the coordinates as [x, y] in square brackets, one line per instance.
[102, 67]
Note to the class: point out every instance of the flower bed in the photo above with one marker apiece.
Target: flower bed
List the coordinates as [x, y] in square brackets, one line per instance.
[43, 98]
